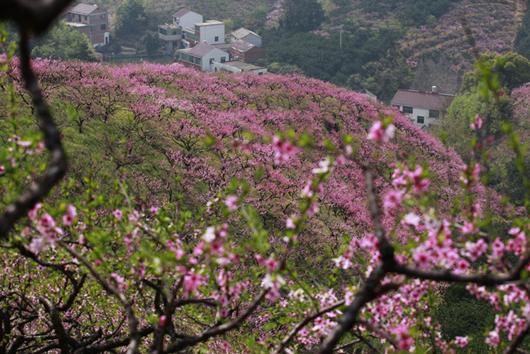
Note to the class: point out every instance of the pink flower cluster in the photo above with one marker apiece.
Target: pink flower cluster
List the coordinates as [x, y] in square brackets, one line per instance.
[379, 134]
[282, 150]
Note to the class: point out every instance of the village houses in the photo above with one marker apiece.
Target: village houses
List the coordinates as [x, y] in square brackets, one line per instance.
[423, 108]
[201, 44]
[91, 20]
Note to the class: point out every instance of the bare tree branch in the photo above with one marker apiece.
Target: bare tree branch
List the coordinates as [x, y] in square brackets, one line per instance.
[303, 323]
[58, 327]
[218, 330]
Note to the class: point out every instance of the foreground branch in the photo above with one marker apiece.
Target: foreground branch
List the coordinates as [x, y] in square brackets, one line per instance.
[52, 140]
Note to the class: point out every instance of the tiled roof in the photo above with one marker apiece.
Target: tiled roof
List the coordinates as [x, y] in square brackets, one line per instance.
[85, 9]
[422, 99]
[242, 46]
[201, 49]
[181, 13]
[242, 32]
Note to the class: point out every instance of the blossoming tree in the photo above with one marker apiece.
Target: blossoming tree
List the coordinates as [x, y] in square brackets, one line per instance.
[235, 214]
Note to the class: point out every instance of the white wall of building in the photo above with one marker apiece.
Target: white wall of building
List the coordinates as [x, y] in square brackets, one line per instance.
[188, 20]
[253, 39]
[210, 32]
[420, 112]
[216, 54]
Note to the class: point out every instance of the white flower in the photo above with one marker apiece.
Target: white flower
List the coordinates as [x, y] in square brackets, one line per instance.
[324, 167]
[209, 236]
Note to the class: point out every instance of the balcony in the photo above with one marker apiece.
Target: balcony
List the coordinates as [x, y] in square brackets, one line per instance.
[174, 37]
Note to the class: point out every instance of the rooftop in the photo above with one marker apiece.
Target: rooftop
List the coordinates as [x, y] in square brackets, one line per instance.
[422, 99]
[181, 13]
[209, 23]
[242, 46]
[85, 9]
[201, 49]
[242, 65]
[242, 32]
[223, 46]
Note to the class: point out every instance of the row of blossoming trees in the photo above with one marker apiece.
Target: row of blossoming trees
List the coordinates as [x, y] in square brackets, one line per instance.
[248, 214]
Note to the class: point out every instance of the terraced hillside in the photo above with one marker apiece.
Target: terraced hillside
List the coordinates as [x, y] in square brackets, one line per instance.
[494, 25]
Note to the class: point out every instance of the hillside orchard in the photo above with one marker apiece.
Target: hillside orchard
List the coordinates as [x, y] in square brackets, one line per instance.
[239, 214]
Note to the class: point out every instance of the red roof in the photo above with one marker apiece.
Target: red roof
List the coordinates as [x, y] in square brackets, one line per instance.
[86, 9]
[181, 13]
[422, 99]
[201, 49]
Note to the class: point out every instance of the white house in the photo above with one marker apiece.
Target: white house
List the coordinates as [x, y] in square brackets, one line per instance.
[211, 32]
[423, 108]
[201, 56]
[186, 18]
[171, 34]
[247, 36]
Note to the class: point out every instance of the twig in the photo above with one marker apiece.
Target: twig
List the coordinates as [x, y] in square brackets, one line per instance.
[303, 323]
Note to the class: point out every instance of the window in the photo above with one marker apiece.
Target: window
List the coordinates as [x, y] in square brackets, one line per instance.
[103, 16]
[162, 31]
[396, 105]
[223, 59]
[92, 18]
[211, 61]
[216, 38]
[407, 109]
[420, 120]
[85, 18]
[433, 113]
[190, 58]
[183, 35]
[197, 29]
[92, 28]
[103, 27]
[184, 57]
[198, 61]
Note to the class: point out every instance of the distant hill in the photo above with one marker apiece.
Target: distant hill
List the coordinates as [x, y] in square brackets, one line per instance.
[427, 34]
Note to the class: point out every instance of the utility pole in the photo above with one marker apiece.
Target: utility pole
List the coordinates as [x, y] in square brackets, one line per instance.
[340, 36]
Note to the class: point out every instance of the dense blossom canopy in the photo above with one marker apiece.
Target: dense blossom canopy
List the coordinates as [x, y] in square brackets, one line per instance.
[229, 212]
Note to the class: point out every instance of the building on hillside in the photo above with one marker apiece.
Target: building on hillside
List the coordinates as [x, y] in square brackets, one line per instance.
[245, 51]
[186, 18]
[423, 108]
[170, 36]
[247, 36]
[91, 20]
[211, 32]
[201, 57]
[238, 67]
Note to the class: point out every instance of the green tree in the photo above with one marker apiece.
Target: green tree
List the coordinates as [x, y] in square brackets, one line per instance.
[522, 39]
[514, 72]
[152, 42]
[229, 24]
[64, 42]
[462, 314]
[131, 18]
[458, 117]
[301, 15]
[384, 77]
